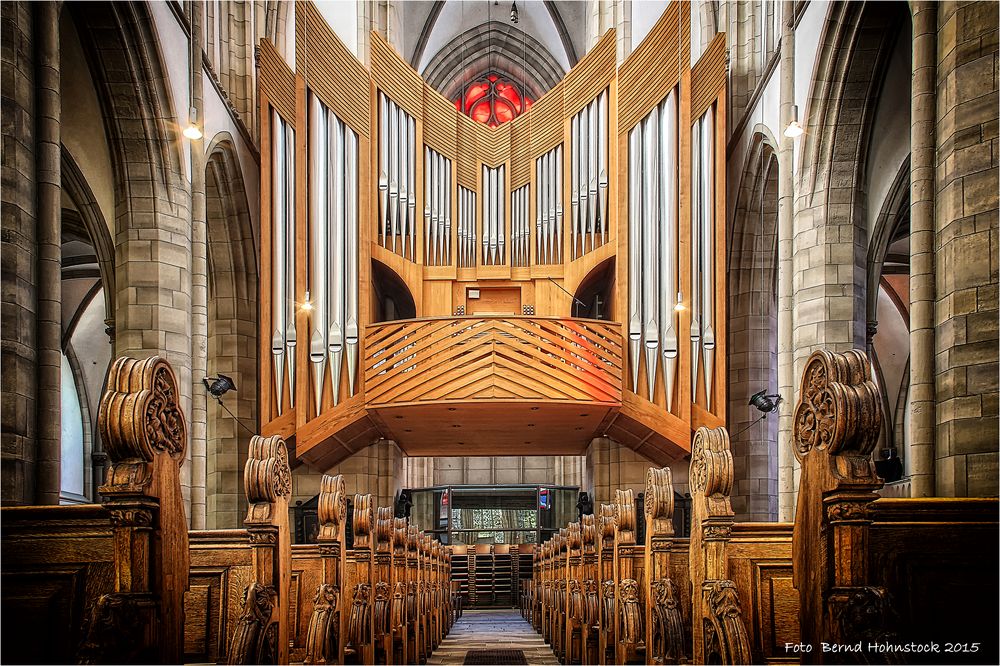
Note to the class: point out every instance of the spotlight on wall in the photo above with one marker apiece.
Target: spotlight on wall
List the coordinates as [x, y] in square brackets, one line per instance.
[219, 386]
[307, 305]
[513, 13]
[192, 131]
[794, 128]
[764, 403]
[679, 305]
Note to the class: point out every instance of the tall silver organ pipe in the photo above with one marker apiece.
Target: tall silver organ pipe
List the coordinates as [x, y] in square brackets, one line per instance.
[397, 179]
[318, 215]
[467, 227]
[494, 185]
[634, 251]
[333, 251]
[668, 244]
[695, 257]
[549, 211]
[653, 248]
[706, 208]
[650, 251]
[437, 211]
[589, 177]
[283, 334]
[520, 227]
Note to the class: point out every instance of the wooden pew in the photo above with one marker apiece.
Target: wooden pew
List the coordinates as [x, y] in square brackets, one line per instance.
[885, 572]
[360, 581]
[575, 607]
[238, 610]
[105, 583]
[590, 590]
[629, 578]
[606, 582]
[666, 587]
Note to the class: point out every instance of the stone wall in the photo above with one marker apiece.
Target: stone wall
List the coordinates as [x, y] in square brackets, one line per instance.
[611, 466]
[967, 249]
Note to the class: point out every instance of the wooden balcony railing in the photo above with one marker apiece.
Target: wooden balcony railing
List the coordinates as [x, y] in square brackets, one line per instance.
[493, 358]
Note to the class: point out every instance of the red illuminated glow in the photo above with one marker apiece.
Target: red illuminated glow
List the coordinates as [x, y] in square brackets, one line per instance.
[493, 102]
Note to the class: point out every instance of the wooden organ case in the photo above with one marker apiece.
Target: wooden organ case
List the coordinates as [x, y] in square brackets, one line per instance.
[372, 181]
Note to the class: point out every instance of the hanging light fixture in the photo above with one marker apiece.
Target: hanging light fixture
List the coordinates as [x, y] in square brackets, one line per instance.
[513, 13]
[794, 129]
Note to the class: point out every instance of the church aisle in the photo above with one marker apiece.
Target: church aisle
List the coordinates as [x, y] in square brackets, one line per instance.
[492, 629]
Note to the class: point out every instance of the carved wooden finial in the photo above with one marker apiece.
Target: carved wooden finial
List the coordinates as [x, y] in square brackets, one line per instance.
[332, 508]
[139, 414]
[659, 502]
[588, 532]
[839, 409]
[399, 536]
[383, 528]
[573, 537]
[607, 524]
[266, 476]
[625, 515]
[364, 516]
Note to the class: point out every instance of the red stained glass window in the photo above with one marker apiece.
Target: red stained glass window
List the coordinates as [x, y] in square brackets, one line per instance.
[493, 101]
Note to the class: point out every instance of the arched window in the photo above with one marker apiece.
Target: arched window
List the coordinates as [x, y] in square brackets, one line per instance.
[493, 101]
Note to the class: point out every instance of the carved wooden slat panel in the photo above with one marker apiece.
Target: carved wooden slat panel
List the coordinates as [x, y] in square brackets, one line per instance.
[520, 151]
[590, 76]
[330, 69]
[468, 151]
[546, 120]
[649, 73]
[395, 76]
[440, 123]
[708, 76]
[526, 358]
[277, 81]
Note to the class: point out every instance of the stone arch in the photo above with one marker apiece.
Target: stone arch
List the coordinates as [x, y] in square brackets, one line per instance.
[830, 246]
[752, 330]
[493, 48]
[232, 329]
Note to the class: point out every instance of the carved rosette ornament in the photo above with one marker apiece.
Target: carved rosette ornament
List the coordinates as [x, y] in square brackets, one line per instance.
[839, 408]
[139, 412]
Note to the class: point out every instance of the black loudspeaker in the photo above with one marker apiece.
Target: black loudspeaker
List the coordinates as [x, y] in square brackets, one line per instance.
[404, 503]
[584, 505]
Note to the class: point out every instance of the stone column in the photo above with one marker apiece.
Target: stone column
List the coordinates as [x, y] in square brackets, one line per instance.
[49, 329]
[786, 271]
[18, 251]
[199, 281]
[966, 270]
[923, 99]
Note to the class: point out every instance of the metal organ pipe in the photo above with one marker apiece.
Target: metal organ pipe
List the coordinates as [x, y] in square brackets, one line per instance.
[289, 256]
[585, 219]
[574, 189]
[707, 249]
[335, 337]
[695, 257]
[501, 204]
[634, 252]
[668, 244]
[592, 173]
[352, 328]
[383, 172]
[447, 211]
[411, 176]
[441, 187]
[650, 253]
[318, 162]
[428, 185]
[557, 189]
[602, 164]
[278, 251]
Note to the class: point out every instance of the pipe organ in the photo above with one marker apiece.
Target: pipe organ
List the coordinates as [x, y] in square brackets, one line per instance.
[396, 179]
[283, 330]
[653, 243]
[494, 186]
[589, 164]
[548, 224]
[437, 208]
[333, 252]
[609, 188]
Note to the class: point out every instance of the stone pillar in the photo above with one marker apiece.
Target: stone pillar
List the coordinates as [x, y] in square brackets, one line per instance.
[18, 252]
[611, 466]
[923, 101]
[966, 270]
[786, 271]
[49, 329]
[199, 282]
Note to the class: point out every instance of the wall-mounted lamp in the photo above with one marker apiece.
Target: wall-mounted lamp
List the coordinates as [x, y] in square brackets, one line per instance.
[764, 403]
[192, 131]
[513, 13]
[307, 305]
[219, 386]
[794, 128]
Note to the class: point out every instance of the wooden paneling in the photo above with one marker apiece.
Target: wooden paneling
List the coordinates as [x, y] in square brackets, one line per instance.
[277, 81]
[546, 119]
[650, 72]
[395, 77]
[330, 69]
[708, 77]
[521, 162]
[590, 76]
[440, 123]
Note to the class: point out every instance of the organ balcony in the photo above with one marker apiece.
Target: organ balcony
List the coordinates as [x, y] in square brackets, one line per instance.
[464, 289]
